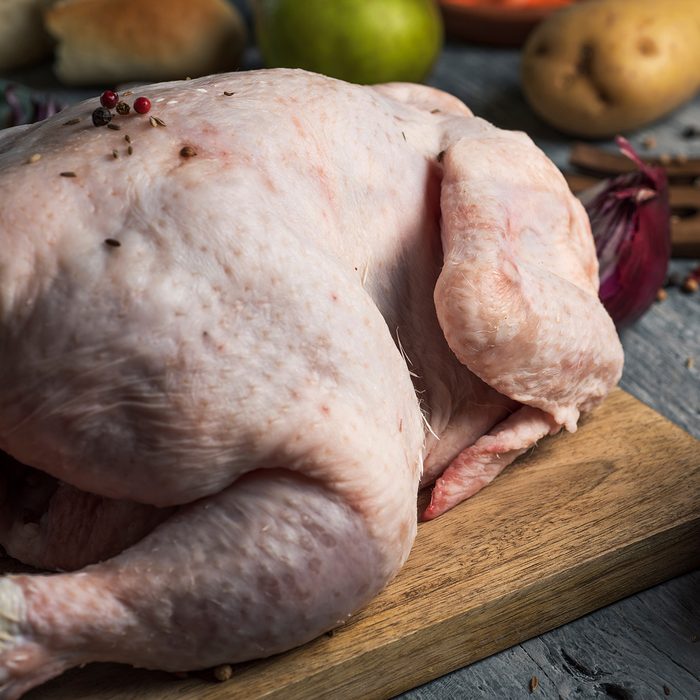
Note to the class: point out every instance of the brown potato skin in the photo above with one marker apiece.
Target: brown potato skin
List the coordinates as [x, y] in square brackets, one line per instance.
[602, 67]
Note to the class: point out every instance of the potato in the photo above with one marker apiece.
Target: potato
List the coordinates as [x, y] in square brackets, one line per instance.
[602, 67]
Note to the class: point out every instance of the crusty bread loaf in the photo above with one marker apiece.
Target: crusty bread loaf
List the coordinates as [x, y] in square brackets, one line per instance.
[23, 39]
[110, 41]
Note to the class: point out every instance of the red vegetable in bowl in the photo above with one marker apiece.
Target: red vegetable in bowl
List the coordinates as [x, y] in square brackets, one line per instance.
[630, 219]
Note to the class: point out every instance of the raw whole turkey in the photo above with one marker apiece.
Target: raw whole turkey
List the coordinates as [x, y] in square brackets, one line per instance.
[236, 340]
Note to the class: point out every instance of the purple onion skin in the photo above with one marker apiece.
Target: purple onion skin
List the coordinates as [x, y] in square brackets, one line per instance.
[630, 219]
[29, 109]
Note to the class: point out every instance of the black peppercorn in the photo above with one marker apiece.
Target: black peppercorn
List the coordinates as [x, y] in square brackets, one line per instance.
[101, 116]
[123, 108]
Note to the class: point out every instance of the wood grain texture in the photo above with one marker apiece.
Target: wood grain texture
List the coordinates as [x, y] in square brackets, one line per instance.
[632, 649]
[584, 520]
[662, 355]
[628, 650]
[605, 661]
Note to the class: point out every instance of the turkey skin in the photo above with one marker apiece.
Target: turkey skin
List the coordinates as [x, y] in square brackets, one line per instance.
[236, 340]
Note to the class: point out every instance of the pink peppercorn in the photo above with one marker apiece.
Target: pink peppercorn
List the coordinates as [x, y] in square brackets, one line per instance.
[142, 105]
[109, 99]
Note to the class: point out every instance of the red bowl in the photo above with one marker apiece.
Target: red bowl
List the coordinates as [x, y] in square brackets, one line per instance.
[483, 23]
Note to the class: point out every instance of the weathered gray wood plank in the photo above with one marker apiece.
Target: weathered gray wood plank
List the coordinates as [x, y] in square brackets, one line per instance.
[657, 352]
[628, 650]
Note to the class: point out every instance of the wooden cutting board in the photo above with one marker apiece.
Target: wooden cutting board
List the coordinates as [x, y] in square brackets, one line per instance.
[582, 521]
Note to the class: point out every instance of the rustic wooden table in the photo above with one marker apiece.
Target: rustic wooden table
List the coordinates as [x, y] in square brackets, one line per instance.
[648, 645]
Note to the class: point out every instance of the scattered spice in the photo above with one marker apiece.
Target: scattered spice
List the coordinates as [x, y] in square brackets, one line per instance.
[112, 242]
[130, 150]
[114, 127]
[68, 173]
[689, 363]
[123, 108]
[109, 99]
[649, 142]
[661, 294]
[223, 673]
[187, 152]
[435, 111]
[534, 683]
[229, 94]
[404, 135]
[142, 105]
[667, 690]
[127, 138]
[115, 154]
[690, 132]
[70, 122]
[690, 285]
[127, 93]
[101, 116]
[440, 156]
[34, 158]
[159, 121]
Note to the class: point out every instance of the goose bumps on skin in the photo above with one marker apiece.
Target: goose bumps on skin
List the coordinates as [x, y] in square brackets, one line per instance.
[224, 377]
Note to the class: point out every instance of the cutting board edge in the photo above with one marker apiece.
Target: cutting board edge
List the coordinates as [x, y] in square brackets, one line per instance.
[678, 557]
[668, 423]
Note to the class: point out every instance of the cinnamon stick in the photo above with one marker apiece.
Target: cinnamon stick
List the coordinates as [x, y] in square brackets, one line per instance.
[685, 237]
[597, 160]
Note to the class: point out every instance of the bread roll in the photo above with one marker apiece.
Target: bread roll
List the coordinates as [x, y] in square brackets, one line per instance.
[111, 41]
[23, 39]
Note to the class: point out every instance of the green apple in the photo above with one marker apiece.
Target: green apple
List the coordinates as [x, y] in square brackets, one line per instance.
[362, 41]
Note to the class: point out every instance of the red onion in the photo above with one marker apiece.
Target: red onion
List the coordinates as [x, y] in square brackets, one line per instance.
[630, 220]
[25, 106]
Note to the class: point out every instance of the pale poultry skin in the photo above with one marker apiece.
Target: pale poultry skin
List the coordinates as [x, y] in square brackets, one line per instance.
[237, 367]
